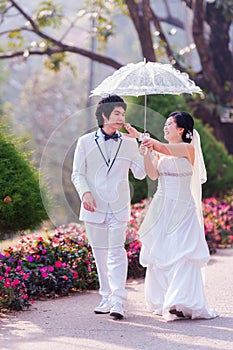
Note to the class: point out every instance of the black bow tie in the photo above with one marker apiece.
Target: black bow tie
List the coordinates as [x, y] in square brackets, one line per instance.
[108, 137]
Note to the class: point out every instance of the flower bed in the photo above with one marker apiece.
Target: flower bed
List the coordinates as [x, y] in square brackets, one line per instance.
[46, 268]
[218, 221]
[63, 263]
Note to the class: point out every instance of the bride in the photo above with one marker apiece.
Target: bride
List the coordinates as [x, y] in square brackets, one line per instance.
[174, 248]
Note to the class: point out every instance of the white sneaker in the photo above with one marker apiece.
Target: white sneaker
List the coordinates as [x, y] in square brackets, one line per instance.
[117, 310]
[104, 307]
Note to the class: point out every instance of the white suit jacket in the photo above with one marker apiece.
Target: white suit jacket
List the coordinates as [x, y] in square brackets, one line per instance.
[107, 181]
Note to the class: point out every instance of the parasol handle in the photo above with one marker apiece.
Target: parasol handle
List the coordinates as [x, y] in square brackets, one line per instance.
[145, 104]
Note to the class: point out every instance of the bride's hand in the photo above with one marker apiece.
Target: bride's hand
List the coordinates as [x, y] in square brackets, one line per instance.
[148, 143]
[143, 150]
[132, 132]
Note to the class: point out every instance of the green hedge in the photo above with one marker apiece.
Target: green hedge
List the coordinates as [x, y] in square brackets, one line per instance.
[21, 205]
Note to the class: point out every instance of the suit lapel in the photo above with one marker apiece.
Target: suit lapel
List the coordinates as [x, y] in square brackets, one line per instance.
[100, 144]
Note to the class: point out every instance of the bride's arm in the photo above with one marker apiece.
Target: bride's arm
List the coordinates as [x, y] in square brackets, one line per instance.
[175, 149]
[151, 162]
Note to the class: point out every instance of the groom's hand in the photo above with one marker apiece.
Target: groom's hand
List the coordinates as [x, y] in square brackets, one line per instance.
[89, 202]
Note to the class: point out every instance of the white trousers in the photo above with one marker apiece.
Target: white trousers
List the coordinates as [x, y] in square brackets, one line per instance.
[107, 241]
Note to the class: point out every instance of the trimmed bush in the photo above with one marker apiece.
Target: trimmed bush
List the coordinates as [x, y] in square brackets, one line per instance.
[219, 164]
[21, 205]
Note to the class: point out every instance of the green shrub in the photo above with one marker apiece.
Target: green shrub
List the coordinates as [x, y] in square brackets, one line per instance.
[21, 205]
[219, 164]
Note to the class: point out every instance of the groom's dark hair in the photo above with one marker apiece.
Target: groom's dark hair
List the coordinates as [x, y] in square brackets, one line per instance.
[106, 106]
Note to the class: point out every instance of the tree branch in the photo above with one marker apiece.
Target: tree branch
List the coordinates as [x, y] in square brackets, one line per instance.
[25, 15]
[63, 48]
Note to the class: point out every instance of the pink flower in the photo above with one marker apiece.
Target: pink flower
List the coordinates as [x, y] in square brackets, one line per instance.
[44, 274]
[51, 268]
[58, 264]
[15, 282]
[65, 277]
[25, 296]
[43, 269]
[75, 274]
[8, 269]
[26, 276]
[7, 283]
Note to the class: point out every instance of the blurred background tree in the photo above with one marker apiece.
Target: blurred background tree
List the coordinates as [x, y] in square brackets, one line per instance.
[38, 30]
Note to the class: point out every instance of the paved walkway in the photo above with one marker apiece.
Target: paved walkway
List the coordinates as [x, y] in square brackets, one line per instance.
[70, 324]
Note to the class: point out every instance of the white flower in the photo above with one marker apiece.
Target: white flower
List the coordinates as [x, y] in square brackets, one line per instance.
[189, 135]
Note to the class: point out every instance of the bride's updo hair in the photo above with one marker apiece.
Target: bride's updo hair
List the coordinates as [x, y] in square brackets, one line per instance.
[184, 120]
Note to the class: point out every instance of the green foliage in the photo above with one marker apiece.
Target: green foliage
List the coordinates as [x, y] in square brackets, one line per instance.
[55, 61]
[101, 14]
[21, 206]
[49, 14]
[16, 40]
[3, 4]
[219, 163]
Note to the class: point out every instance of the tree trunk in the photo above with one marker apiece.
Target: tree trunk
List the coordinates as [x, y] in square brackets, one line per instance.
[140, 13]
[219, 42]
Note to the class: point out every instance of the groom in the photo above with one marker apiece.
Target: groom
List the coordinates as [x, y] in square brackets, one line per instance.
[101, 165]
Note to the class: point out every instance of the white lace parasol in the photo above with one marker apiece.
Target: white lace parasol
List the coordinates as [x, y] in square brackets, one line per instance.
[145, 79]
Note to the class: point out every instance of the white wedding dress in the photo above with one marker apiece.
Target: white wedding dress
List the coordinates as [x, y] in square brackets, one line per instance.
[174, 248]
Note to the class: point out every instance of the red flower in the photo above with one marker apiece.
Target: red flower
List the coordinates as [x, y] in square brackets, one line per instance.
[65, 277]
[75, 274]
[8, 269]
[58, 264]
[7, 283]
[15, 282]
